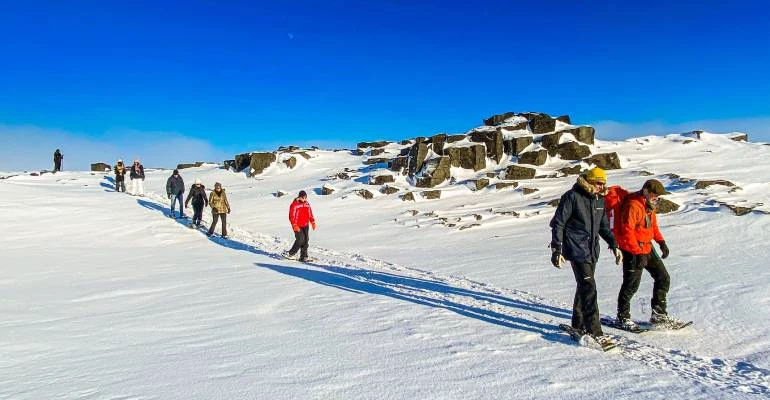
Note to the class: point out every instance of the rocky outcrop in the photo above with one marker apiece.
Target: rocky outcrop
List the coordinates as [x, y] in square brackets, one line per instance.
[190, 165]
[572, 151]
[376, 152]
[242, 161]
[574, 170]
[515, 146]
[327, 190]
[493, 140]
[542, 123]
[550, 142]
[388, 189]
[503, 185]
[100, 167]
[534, 157]
[365, 194]
[280, 193]
[564, 118]
[605, 160]
[583, 134]
[304, 155]
[665, 206]
[739, 137]
[529, 190]
[227, 164]
[407, 196]
[259, 161]
[702, 184]
[498, 119]
[468, 157]
[516, 172]
[479, 184]
[381, 179]
[376, 160]
[434, 172]
[431, 194]
[381, 143]
[290, 162]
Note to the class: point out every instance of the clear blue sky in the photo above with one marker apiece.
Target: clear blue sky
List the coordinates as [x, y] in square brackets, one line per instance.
[245, 75]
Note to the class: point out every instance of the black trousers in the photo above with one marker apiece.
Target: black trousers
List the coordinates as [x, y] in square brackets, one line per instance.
[120, 184]
[632, 276]
[585, 309]
[214, 218]
[57, 166]
[197, 213]
[301, 240]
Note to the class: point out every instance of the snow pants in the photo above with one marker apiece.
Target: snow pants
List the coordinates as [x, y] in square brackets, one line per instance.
[632, 276]
[301, 240]
[585, 309]
[137, 187]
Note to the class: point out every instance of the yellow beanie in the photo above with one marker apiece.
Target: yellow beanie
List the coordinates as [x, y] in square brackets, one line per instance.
[596, 174]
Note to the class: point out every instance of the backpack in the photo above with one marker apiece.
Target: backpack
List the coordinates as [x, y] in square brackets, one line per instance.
[615, 197]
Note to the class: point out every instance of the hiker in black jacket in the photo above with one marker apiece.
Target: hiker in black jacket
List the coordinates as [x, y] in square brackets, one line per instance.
[137, 179]
[175, 192]
[576, 226]
[57, 158]
[199, 200]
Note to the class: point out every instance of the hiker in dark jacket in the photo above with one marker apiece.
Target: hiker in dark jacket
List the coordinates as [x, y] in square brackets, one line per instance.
[120, 177]
[137, 179]
[576, 226]
[220, 207]
[175, 192]
[198, 197]
[57, 157]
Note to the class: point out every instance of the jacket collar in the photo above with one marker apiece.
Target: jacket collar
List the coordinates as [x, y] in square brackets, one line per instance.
[588, 188]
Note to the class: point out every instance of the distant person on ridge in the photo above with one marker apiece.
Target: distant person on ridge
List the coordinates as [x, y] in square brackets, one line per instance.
[175, 192]
[198, 197]
[637, 227]
[120, 177]
[300, 215]
[220, 207]
[137, 179]
[57, 157]
[578, 222]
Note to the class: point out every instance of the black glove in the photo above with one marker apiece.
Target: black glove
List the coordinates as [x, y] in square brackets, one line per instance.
[555, 254]
[642, 260]
[663, 249]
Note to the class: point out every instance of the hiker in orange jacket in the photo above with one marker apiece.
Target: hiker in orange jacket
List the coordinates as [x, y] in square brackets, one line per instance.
[635, 228]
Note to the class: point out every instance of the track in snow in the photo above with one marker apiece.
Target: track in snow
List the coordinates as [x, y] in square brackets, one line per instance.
[506, 307]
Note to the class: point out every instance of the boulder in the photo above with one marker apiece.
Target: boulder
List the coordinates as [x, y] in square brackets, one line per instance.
[542, 124]
[738, 210]
[260, 161]
[191, 165]
[455, 138]
[529, 190]
[100, 167]
[375, 152]
[503, 185]
[431, 194]
[739, 137]
[573, 151]
[534, 157]
[515, 145]
[520, 126]
[388, 189]
[434, 172]
[575, 170]
[551, 142]
[304, 155]
[381, 179]
[327, 190]
[227, 164]
[492, 140]
[605, 160]
[491, 174]
[498, 119]
[407, 197]
[468, 157]
[702, 184]
[583, 134]
[342, 175]
[281, 193]
[665, 206]
[400, 162]
[287, 149]
[438, 141]
[290, 162]
[376, 160]
[532, 115]
[564, 118]
[365, 194]
[519, 172]
[381, 143]
[479, 184]
[242, 161]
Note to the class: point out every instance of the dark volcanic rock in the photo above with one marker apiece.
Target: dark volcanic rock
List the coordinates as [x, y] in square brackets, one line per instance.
[498, 119]
[480, 184]
[434, 172]
[740, 137]
[605, 160]
[260, 161]
[702, 184]
[574, 170]
[535, 157]
[407, 197]
[492, 140]
[290, 162]
[242, 161]
[190, 165]
[551, 142]
[542, 124]
[530, 190]
[515, 145]
[327, 190]
[665, 206]
[573, 151]
[519, 172]
[468, 157]
[564, 118]
[381, 143]
[365, 194]
[388, 189]
[376, 160]
[376, 152]
[503, 185]
[100, 167]
[431, 194]
[381, 179]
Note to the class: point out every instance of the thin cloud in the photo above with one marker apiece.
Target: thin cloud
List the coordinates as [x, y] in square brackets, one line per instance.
[758, 128]
[29, 147]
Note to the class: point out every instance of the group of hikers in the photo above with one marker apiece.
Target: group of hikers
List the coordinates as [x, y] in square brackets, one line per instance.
[628, 224]
[300, 213]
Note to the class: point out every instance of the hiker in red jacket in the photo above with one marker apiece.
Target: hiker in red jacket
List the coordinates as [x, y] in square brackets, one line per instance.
[301, 218]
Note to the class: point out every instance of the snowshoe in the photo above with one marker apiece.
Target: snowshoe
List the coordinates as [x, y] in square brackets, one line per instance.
[662, 321]
[627, 325]
[601, 342]
[289, 256]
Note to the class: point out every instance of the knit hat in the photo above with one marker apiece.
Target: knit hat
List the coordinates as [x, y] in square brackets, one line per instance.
[176, 172]
[596, 174]
[198, 181]
[654, 186]
[302, 193]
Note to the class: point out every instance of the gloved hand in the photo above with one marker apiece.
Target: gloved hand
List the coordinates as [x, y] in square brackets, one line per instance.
[642, 260]
[295, 227]
[313, 225]
[663, 249]
[556, 258]
[618, 256]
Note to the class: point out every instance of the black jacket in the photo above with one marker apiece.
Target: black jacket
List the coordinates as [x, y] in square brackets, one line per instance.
[198, 196]
[577, 224]
[175, 185]
[120, 174]
[137, 173]
[57, 156]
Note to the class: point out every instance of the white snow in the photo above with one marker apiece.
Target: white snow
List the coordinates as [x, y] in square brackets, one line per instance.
[103, 297]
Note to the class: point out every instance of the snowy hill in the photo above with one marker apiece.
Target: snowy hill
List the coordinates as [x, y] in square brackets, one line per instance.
[455, 297]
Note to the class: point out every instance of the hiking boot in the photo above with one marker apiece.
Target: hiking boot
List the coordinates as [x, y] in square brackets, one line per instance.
[604, 340]
[659, 318]
[628, 324]
[289, 256]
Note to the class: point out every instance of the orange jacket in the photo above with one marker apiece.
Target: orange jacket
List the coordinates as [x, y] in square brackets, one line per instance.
[635, 235]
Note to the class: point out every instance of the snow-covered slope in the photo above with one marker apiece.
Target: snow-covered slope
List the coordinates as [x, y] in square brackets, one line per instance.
[104, 297]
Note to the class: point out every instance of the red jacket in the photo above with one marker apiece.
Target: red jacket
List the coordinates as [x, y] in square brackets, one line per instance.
[636, 235]
[300, 213]
[612, 203]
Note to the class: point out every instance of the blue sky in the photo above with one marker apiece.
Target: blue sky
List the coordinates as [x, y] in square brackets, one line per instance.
[209, 79]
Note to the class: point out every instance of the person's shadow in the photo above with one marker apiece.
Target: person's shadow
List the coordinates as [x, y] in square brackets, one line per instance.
[416, 290]
[110, 185]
